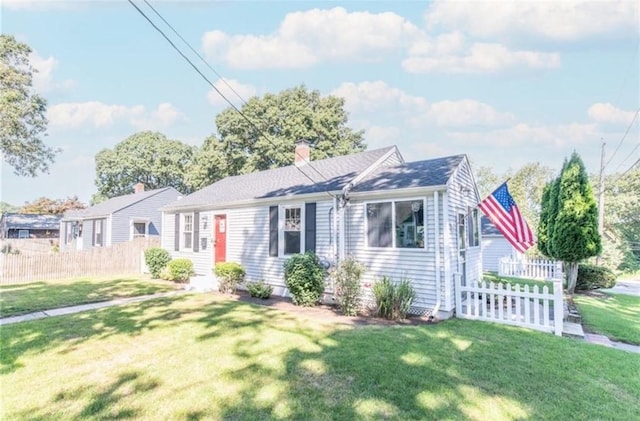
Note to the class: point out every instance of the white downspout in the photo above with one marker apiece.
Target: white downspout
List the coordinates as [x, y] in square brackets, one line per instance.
[438, 239]
[342, 246]
[335, 229]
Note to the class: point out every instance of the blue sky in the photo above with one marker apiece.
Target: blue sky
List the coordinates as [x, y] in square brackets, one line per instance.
[507, 83]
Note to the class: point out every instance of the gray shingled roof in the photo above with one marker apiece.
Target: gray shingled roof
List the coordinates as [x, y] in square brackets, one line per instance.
[113, 205]
[31, 221]
[487, 227]
[431, 172]
[329, 174]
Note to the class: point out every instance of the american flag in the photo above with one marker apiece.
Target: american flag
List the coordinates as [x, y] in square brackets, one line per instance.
[502, 210]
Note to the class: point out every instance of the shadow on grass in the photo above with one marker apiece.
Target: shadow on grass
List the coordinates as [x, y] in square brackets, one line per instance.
[25, 298]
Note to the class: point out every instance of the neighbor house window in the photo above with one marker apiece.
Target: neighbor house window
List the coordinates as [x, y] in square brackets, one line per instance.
[139, 228]
[23, 233]
[292, 231]
[98, 233]
[397, 224]
[187, 231]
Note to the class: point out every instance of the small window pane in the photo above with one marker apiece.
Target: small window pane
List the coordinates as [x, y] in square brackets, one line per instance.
[292, 230]
[187, 230]
[379, 224]
[291, 242]
[410, 224]
[462, 232]
[139, 229]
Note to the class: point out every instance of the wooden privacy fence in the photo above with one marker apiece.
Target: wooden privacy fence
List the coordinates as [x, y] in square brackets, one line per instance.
[518, 305]
[530, 268]
[28, 246]
[119, 259]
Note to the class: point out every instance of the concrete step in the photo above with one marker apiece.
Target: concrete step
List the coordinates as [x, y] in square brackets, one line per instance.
[572, 330]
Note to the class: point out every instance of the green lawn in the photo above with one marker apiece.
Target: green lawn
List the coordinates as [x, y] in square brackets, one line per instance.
[202, 356]
[614, 315]
[26, 298]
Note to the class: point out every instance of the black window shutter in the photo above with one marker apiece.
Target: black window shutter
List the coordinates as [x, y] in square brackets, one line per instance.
[310, 227]
[176, 239]
[273, 231]
[93, 234]
[196, 231]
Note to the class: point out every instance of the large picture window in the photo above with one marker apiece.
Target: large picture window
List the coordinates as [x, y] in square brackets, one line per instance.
[397, 224]
[292, 230]
[187, 231]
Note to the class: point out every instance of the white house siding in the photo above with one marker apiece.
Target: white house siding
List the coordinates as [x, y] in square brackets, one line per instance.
[417, 265]
[495, 247]
[461, 199]
[203, 258]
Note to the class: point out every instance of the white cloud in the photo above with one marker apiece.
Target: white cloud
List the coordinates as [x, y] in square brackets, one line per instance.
[428, 57]
[561, 20]
[467, 112]
[308, 37]
[227, 87]
[35, 4]
[371, 96]
[43, 77]
[607, 113]
[99, 115]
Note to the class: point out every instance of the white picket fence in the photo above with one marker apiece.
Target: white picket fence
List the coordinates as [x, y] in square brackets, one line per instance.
[518, 305]
[530, 268]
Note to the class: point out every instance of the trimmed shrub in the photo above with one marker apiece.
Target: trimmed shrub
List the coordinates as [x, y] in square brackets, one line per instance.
[259, 290]
[156, 259]
[393, 301]
[230, 275]
[593, 277]
[346, 281]
[304, 276]
[180, 270]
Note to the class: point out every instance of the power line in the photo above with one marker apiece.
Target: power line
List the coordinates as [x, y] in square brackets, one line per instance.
[623, 137]
[628, 156]
[253, 125]
[626, 172]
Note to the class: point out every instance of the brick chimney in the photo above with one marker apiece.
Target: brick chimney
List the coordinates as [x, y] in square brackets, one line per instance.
[302, 154]
[138, 188]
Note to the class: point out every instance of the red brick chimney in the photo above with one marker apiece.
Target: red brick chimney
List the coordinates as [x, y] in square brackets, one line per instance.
[138, 188]
[303, 153]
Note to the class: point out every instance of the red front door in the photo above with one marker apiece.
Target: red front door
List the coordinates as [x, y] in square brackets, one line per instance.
[220, 235]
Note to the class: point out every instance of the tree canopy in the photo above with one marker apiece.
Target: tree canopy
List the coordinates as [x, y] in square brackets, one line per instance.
[22, 112]
[572, 219]
[277, 121]
[146, 157]
[46, 206]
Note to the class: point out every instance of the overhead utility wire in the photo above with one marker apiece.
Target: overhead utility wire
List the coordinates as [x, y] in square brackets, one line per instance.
[628, 156]
[622, 139]
[212, 85]
[223, 80]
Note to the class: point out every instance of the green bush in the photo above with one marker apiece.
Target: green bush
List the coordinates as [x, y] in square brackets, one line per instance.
[180, 270]
[259, 290]
[346, 281]
[593, 277]
[230, 275]
[393, 301]
[156, 259]
[304, 277]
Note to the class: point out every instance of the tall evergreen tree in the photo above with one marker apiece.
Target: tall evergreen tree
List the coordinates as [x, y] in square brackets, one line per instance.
[574, 230]
[543, 224]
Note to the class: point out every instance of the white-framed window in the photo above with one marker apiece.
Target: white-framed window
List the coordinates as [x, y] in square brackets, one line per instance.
[462, 231]
[473, 229]
[395, 224]
[187, 231]
[97, 234]
[292, 229]
[139, 228]
[23, 233]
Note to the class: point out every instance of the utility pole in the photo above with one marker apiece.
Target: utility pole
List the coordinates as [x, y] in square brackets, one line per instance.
[601, 201]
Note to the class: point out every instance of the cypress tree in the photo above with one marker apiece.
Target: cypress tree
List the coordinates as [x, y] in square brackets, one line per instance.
[543, 236]
[574, 231]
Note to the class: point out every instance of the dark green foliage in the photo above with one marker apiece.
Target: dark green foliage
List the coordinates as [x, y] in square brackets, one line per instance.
[543, 224]
[554, 192]
[304, 277]
[156, 259]
[180, 270]
[346, 281]
[393, 301]
[259, 290]
[593, 277]
[230, 275]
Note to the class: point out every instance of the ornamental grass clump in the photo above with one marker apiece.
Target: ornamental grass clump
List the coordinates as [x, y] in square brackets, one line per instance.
[393, 300]
[259, 290]
[346, 282]
[304, 276]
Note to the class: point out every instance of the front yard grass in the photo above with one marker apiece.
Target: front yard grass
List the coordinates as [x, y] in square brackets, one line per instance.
[492, 277]
[615, 315]
[204, 356]
[37, 296]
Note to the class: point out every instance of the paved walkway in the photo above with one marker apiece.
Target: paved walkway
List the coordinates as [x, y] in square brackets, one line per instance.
[84, 307]
[625, 287]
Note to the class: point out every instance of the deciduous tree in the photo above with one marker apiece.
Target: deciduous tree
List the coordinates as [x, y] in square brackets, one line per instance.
[46, 206]
[22, 112]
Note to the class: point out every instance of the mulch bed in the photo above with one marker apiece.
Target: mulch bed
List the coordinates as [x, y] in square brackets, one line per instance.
[328, 313]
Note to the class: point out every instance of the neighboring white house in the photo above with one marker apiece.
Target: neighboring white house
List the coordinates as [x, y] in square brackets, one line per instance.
[413, 220]
[116, 220]
[494, 246]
